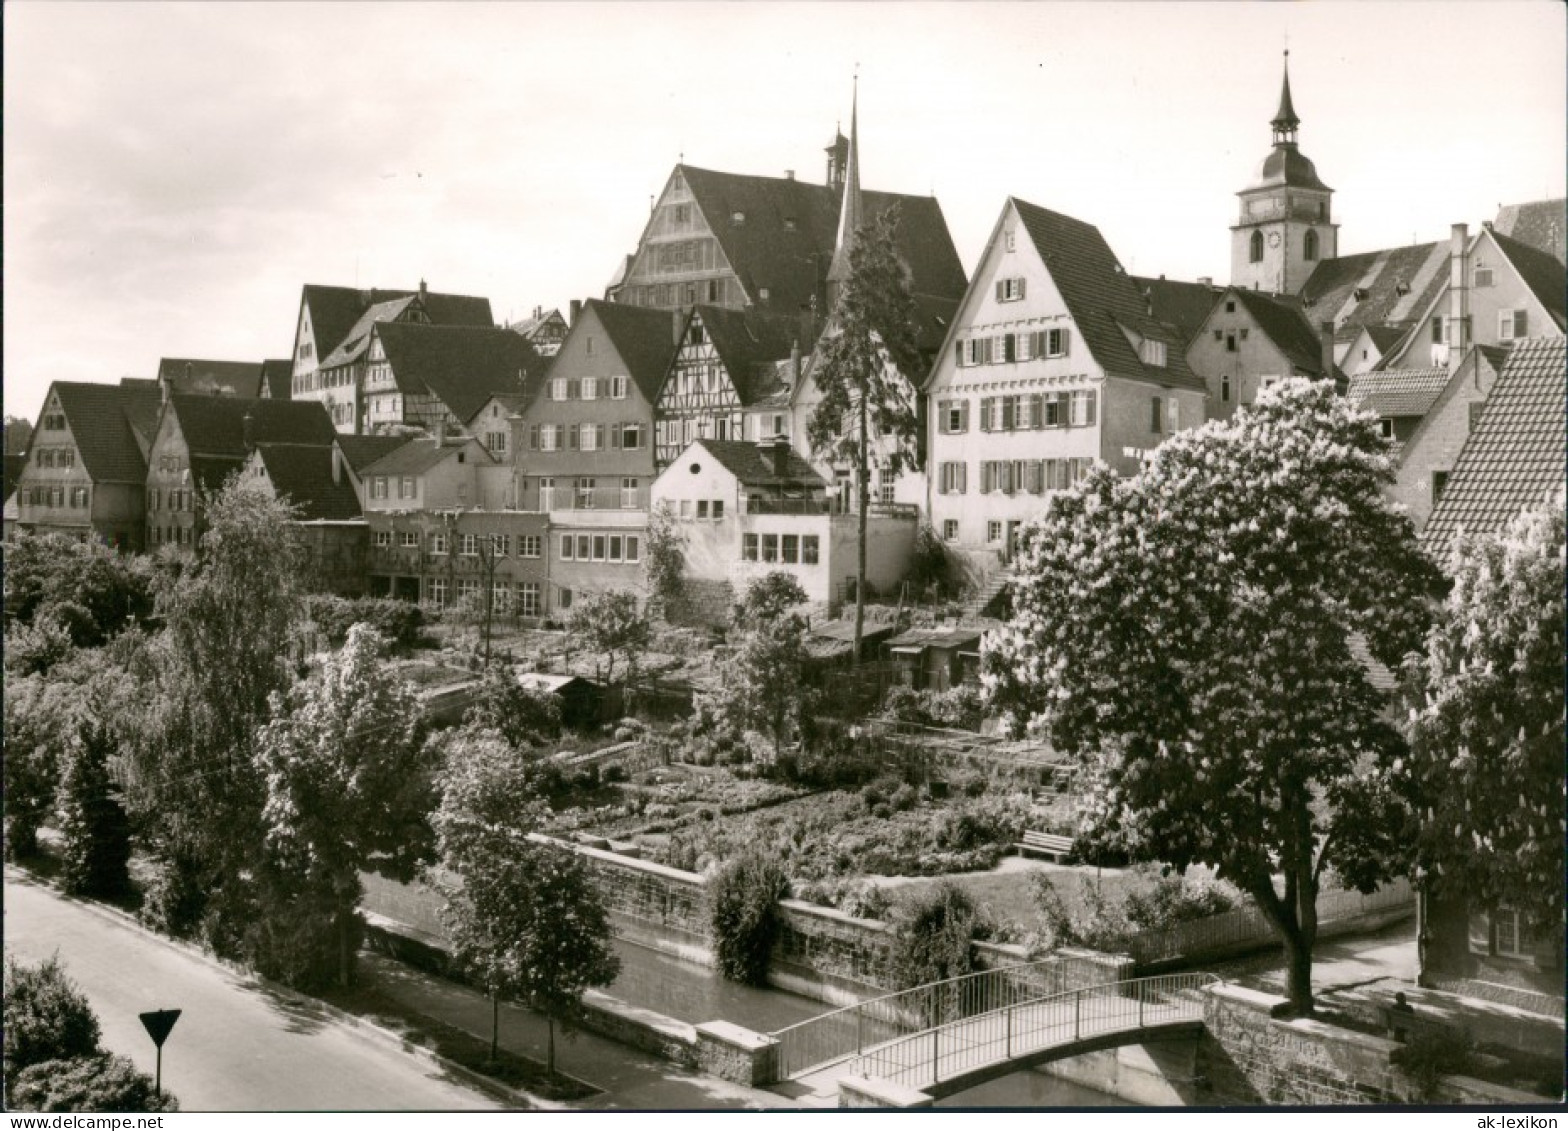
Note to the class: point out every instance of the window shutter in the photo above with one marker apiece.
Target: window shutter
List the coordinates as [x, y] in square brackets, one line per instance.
[571, 437]
[1021, 282]
[1521, 323]
[958, 348]
[1036, 411]
[615, 437]
[985, 414]
[963, 416]
[1090, 398]
[574, 388]
[1009, 352]
[533, 437]
[1174, 414]
[1001, 290]
[1007, 414]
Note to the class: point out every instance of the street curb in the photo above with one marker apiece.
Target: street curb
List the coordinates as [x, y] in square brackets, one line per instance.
[382, 1035]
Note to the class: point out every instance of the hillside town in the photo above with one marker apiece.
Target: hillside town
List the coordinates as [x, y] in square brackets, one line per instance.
[758, 657]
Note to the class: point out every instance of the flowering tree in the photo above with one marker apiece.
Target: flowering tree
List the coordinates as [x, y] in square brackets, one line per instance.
[866, 368]
[611, 623]
[764, 689]
[1486, 723]
[1188, 630]
[347, 786]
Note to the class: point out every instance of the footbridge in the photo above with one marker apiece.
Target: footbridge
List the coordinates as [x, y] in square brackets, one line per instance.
[908, 1048]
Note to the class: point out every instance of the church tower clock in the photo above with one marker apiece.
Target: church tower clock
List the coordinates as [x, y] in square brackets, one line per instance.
[1285, 225]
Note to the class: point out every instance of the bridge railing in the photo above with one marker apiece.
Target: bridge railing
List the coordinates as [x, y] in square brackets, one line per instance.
[1032, 1025]
[845, 1032]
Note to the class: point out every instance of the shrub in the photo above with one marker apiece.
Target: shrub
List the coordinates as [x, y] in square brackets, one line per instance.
[103, 1082]
[932, 933]
[1430, 1055]
[743, 899]
[46, 1018]
[1175, 899]
[400, 622]
[175, 896]
[903, 799]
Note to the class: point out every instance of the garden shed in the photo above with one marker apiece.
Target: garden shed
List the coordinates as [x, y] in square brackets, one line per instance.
[580, 698]
[935, 659]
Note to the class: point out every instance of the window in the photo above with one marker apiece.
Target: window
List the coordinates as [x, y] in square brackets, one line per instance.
[383, 539]
[378, 487]
[950, 530]
[585, 493]
[1386, 426]
[1012, 241]
[438, 543]
[591, 435]
[1439, 480]
[501, 596]
[789, 549]
[53, 422]
[1437, 330]
[993, 531]
[1225, 388]
[809, 546]
[1512, 324]
[770, 547]
[718, 509]
[585, 547]
[1310, 248]
[528, 598]
[1009, 290]
[408, 539]
[1230, 343]
[528, 545]
[748, 547]
[501, 545]
[599, 547]
[627, 436]
[1083, 407]
[435, 591]
[1230, 308]
[79, 497]
[951, 480]
[1056, 343]
[547, 492]
[590, 388]
[1255, 248]
[468, 545]
[152, 498]
[617, 388]
[633, 549]
[702, 508]
[1152, 353]
[974, 351]
[1483, 276]
[563, 598]
[496, 442]
[467, 588]
[1509, 937]
[567, 545]
[558, 388]
[629, 492]
[406, 488]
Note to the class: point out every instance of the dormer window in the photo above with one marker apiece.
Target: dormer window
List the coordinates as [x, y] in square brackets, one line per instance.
[762, 293]
[1152, 353]
[1359, 294]
[737, 217]
[789, 223]
[1401, 288]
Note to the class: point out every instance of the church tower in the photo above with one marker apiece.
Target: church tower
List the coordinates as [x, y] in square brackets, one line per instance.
[851, 212]
[1285, 225]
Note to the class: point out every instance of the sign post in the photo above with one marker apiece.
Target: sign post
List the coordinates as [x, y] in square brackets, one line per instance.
[158, 1023]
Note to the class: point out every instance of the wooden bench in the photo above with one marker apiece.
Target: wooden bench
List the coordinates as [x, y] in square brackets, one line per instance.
[1045, 844]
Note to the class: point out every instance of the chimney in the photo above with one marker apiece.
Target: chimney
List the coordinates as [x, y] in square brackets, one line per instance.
[794, 364]
[337, 464]
[789, 174]
[780, 456]
[677, 324]
[574, 311]
[248, 432]
[1205, 280]
[1458, 296]
[440, 431]
[1326, 346]
[423, 292]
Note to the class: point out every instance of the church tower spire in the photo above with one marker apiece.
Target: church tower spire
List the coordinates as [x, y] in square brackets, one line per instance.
[851, 211]
[1285, 120]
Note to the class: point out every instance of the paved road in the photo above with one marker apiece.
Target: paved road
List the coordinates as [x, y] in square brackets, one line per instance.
[237, 1046]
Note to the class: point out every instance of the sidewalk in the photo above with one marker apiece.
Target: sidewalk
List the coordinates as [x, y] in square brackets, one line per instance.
[630, 1079]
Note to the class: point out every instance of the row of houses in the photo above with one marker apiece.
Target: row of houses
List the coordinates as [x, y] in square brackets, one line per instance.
[436, 456]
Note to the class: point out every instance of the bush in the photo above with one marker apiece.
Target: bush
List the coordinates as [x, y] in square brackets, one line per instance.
[103, 1082]
[932, 933]
[46, 1017]
[175, 896]
[1430, 1055]
[399, 622]
[743, 900]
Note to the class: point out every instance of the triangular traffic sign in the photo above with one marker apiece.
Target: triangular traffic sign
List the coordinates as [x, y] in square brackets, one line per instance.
[158, 1023]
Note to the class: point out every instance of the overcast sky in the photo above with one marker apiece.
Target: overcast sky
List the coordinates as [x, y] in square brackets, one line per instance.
[174, 174]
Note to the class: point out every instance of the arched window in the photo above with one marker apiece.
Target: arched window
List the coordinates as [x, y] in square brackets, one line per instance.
[1312, 244]
[1257, 247]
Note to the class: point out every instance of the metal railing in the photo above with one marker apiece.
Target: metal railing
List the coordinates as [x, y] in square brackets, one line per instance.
[845, 1032]
[1021, 1028]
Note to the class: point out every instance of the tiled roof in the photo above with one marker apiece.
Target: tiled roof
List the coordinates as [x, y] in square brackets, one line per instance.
[526, 326]
[752, 464]
[422, 453]
[215, 426]
[101, 419]
[1515, 456]
[1183, 305]
[210, 473]
[1102, 298]
[462, 366]
[1543, 224]
[785, 242]
[335, 310]
[1282, 318]
[362, 451]
[1389, 287]
[749, 344]
[357, 340]
[1398, 392]
[643, 337]
[1383, 337]
[222, 378]
[1543, 274]
[277, 374]
[303, 476]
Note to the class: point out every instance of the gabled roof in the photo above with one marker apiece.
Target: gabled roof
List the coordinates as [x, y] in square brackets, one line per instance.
[213, 378]
[277, 374]
[357, 340]
[303, 477]
[749, 344]
[362, 451]
[785, 241]
[1398, 392]
[335, 310]
[422, 453]
[215, 426]
[1103, 299]
[1543, 224]
[1515, 457]
[1383, 337]
[1183, 305]
[752, 464]
[462, 366]
[102, 420]
[210, 473]
[1388, 287]
[534, 323]
[1282, 318]
[1540, 272]
[511, 403]
[643, 337]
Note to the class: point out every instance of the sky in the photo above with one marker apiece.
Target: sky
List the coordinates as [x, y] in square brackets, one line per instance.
[176, 173]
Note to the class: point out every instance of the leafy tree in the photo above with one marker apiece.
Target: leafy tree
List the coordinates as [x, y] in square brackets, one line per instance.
[611, 623]
[932, 937]
[93, 825]
[743, 900]
[46, 1017]
[529, 925]
[1188, 629]
[192, 776]
[92, 591]
[866, 368]
[36, 648]
[664, 563]
[764, 688]
[1486, 723]
[102, 1082]
[489, 801]
[40, 717]
[347, 783]
[523, 716]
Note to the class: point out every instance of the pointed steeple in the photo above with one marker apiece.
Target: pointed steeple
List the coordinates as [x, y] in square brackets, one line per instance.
[1285, 120]
[850, 212]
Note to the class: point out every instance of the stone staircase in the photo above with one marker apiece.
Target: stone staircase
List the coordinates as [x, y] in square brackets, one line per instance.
[977, 605]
